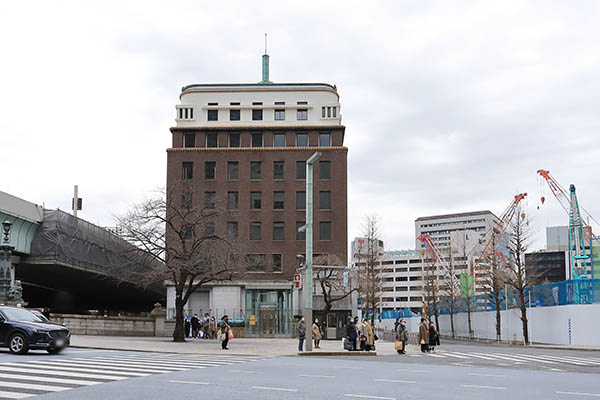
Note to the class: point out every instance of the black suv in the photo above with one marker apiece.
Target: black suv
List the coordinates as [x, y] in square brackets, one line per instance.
[21, 330]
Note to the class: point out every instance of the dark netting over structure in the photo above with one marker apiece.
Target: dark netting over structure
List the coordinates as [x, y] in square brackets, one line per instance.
[76, 266]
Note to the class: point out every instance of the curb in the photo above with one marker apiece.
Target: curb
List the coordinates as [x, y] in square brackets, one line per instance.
[338, 353]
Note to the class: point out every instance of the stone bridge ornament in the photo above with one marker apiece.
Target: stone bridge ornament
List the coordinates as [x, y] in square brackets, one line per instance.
[15, 293]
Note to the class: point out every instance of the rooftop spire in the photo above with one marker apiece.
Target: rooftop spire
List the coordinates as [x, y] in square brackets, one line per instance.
[265, 66]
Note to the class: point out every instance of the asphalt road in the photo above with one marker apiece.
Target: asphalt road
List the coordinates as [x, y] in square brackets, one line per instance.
[135, 375]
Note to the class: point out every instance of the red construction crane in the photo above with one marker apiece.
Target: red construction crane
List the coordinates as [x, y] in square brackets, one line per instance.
[434, 252]
[497, 232]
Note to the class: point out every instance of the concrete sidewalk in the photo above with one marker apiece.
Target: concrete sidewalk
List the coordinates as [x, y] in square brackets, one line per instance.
[244, 346]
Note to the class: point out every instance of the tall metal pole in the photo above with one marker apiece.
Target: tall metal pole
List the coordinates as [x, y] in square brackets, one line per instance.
[75, 200]
[308, 276]
[507, 316]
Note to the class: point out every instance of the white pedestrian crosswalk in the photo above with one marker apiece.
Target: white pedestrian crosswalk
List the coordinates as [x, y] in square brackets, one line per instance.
[515, 358]
[21, 380]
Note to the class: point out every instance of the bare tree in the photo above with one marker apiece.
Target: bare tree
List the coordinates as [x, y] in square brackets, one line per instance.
[180, 243]
[467, 286]
[329, 275]
[515, 272]
[495, 285]
[368, 272]
[451, 286]
[431, 289]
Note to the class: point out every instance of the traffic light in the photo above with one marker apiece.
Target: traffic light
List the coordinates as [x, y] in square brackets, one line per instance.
[297, 281]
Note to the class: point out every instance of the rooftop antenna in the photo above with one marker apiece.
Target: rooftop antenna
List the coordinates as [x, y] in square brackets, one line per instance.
[265, 66]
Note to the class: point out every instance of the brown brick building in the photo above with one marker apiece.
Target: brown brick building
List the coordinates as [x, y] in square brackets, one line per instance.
[244, 147]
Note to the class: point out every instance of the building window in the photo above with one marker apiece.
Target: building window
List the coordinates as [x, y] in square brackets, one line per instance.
[213, 115]
[300, 200]
[278, 200]
[255, 170]
[329, 112]
[279, 114]
[324, 200]
[279, 140]
[278, 169]
[232, 230]
[187, 231]
[300, 235]
[324, 169]
[233, 200]
[210, 170]
[187, 169]
[255, 262]
[333, 112]
[302, 139]
[255, 231]
[323, 112]
[300, 169]
[211, 140]
[324, 140]
[234, 140]
[278, 231]
[187, 200]
[209, 229]
[257, 115]
[234, 115]
[277, 264]
[324, 230]
[185, 113]
[210, 200]
[189, 140]
[255, 200]
[257, 140]
[233, 170]
[302, 114]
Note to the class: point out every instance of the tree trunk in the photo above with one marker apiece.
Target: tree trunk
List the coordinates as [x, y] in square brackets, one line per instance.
[452, 322]
[469, 315]
[523, 307]
[178, 333]
[498, 321]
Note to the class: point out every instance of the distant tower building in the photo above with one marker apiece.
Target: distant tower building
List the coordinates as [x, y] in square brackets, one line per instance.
[245, 146]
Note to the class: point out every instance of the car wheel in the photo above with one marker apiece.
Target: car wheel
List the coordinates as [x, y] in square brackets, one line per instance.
[18, 344]
[55, 350]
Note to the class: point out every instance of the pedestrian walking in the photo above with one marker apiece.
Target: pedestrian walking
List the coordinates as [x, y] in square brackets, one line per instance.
[187, 326]
[195, 326]
[362, 336]
[301, 334]
[434, 338]
[423, 335]
[224, 332]
[212, 328]
[317, 333]
[370, 342]
[401, 337]
[351, 333]
[396, 324]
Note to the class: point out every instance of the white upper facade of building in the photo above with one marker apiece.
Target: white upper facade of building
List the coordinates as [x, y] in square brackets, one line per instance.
[441, 227]
[258, 105]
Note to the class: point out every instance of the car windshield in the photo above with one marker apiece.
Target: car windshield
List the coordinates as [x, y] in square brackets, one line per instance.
[40, 316]
[18, 314]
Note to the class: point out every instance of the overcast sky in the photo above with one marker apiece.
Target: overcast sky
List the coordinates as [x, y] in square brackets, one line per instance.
[448, 106]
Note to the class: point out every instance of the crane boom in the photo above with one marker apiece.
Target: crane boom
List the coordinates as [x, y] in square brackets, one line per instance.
[434, 252]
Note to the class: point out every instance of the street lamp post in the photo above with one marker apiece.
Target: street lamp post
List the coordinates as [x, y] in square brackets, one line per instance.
[308, 280]
[5, 262]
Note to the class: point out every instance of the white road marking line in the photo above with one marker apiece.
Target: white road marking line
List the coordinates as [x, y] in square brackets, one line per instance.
[13, 395]
[33, 372]
[394, 380]
[115, 366]
[527, 358]
[272, 388]
[585, 360]
[51, 380]
[456, 355]
[502, 364]
[484, 387]
[473, 355]
[580, 394]
[33, 386]
[364, 396]
[172, 364]
[345, 367]
[490, 375]
[415, 355]
[174, 367]
[180, 360]
[571, 360]
[502, 357]
[76, 369]
[244, 371]
[191, 383]
[413, 370]
[551, 359]
[436, 355]
[317, 376]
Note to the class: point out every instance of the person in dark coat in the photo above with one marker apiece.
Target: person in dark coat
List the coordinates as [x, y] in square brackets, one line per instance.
[301, 334]
[434, 338]
[424, 335]
[224, 332]
[195, 326]
[351, 334]
[402, 336]
[186, 327]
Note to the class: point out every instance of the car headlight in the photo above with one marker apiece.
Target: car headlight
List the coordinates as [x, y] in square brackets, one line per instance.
[42, 331]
